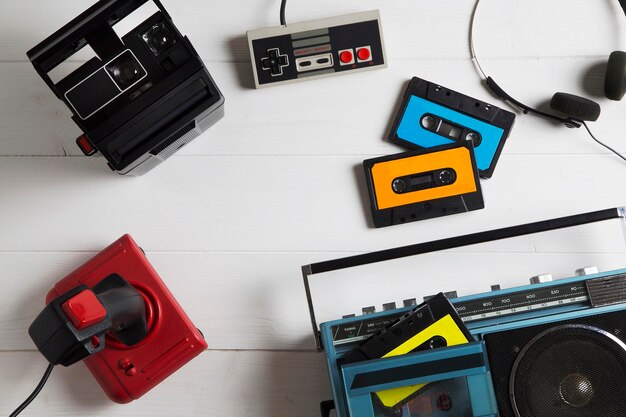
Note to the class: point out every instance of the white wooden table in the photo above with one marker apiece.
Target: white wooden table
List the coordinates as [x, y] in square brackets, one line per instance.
[230, 219]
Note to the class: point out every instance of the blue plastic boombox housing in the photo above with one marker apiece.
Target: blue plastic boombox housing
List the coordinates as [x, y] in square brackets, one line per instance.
[526, 338]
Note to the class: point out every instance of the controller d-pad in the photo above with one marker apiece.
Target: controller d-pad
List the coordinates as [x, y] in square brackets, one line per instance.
[274, 62]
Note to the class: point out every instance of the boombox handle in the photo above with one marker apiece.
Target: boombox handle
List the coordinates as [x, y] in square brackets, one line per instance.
[449, 243]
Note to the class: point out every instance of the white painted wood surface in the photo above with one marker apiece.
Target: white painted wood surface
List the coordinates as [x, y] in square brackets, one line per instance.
[230, 219]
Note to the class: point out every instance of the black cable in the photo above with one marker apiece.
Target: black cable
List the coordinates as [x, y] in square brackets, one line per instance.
[32, 396]
[283, 6]
[606, 146]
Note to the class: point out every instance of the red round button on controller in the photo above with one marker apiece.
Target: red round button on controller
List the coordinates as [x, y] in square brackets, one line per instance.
[346, 57]
[364, 54]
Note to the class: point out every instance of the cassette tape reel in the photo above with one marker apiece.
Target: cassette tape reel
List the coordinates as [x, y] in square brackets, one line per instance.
[423, 184]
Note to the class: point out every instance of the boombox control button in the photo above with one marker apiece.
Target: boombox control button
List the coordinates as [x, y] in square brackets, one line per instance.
[451, 294]
[410, 302]
[540, 279]
[496, 287]
[588, 270]
[389, 306]
[369, 310]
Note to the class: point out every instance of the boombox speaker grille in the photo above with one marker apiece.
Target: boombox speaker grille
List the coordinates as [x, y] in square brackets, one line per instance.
[570, 370]
[573, 368]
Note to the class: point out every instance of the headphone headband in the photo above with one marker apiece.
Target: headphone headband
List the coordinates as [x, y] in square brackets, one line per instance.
[500, 93]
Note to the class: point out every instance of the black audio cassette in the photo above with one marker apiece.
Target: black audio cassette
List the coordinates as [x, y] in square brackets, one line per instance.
[423, 184]
[431, 325]
[433, 115]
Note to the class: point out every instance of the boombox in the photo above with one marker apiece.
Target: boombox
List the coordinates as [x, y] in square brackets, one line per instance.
[145, 94]
[554, 348]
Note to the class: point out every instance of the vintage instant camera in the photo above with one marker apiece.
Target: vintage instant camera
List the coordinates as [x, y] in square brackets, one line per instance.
[551, 348]
[116, 313]
[144, 96]
[423, 184]
[433, 115]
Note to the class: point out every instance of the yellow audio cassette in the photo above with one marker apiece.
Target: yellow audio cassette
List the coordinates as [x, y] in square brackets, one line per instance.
[431, 325]
[423, 184]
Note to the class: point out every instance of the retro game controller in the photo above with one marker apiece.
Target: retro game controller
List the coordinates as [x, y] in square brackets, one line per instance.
[318, 48]
[116, 313]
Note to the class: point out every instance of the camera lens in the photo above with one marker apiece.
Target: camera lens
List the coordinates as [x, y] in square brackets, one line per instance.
[161, 39]
[158, 38]
[125, 71]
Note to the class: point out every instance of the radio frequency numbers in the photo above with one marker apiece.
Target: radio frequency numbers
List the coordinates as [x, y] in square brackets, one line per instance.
[521, 302]
[479, 309]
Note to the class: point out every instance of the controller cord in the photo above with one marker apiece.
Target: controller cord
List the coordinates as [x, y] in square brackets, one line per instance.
[37, 390]
[283, 6]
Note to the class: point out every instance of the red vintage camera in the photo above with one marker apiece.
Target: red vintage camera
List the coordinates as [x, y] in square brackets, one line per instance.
[116, 313]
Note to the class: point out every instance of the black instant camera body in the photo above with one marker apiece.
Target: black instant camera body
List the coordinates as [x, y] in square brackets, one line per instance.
[144, 95]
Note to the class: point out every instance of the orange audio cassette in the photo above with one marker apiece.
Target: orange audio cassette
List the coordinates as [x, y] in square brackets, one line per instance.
[423, 184]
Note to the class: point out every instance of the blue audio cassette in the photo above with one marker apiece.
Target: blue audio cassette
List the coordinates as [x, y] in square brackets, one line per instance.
[433, 115]
[551, 348]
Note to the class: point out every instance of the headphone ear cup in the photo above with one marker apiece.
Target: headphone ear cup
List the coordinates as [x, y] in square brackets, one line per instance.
[576, 107]
[615, 80]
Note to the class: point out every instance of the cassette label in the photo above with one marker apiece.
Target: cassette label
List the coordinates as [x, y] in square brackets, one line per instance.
[419, 185]
[430, 338]
[434, 182]
[433, 324]
[432, 115]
